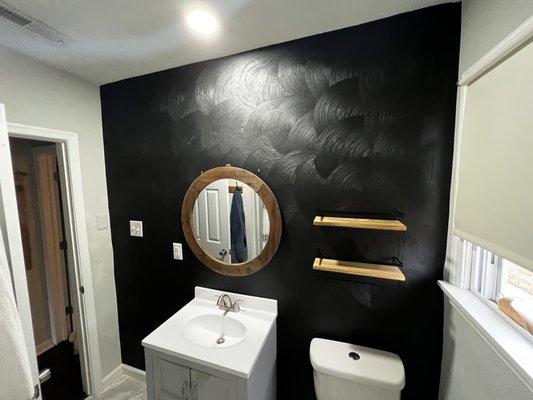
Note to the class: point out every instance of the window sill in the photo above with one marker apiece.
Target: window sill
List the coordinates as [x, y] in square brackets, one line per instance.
[512, 347]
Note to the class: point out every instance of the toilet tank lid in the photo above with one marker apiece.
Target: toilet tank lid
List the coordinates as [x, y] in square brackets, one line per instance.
[367, 366]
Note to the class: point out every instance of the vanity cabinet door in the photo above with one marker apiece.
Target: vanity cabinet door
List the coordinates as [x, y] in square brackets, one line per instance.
[211, 387]
[171, 381]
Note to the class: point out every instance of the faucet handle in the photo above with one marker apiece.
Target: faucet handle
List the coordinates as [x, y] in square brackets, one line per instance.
[236, 307]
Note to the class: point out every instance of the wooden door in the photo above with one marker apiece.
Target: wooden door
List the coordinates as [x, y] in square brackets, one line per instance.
[22, 161]
[48, 194]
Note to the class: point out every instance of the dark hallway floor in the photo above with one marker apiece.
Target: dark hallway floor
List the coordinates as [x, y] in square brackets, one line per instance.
[65, 382]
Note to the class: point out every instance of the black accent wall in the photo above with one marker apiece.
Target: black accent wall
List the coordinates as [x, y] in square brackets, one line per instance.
[359, 119]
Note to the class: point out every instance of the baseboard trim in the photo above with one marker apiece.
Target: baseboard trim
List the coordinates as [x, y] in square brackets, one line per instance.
[119, 372]
[133, 372]
[112, 377]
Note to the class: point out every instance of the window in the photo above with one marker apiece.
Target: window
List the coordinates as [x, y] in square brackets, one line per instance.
[516, 282]
[504, 285]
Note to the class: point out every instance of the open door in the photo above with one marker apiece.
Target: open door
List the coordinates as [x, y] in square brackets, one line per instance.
[53, 240]
[12, 244]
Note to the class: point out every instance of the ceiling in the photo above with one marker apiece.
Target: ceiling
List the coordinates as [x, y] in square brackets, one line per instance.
[118, 39]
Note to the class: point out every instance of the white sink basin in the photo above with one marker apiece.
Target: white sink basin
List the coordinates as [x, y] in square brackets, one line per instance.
[191, 334]
[208, 329]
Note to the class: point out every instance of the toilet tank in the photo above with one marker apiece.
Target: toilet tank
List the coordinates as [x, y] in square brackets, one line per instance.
[344, 371]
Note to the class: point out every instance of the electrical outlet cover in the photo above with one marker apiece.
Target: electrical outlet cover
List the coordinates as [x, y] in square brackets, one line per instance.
[136, 228]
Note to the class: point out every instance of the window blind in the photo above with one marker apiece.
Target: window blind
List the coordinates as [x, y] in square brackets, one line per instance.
[494, 202]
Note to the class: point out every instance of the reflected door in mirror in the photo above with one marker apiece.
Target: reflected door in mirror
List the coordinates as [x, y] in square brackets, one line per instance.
[210, 216]
[230, 221]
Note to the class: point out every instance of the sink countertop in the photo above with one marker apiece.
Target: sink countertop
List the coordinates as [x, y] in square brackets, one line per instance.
[257, 314]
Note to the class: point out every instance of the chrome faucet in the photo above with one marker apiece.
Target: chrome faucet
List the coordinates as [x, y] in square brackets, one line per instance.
[225, 303]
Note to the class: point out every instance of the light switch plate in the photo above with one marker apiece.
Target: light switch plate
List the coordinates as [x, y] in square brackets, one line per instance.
[102, 222]
[136, 228]
[177, 251]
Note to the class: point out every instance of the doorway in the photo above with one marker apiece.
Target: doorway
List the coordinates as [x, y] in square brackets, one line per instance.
[79, 263]
[42, 225]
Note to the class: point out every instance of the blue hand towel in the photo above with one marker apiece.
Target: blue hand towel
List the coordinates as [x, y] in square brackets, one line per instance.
[239, 249]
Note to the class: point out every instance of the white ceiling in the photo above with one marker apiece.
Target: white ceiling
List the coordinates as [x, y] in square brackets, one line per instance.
[118, 39]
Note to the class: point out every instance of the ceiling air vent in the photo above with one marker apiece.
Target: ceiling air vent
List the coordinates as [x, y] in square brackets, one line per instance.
[34, 26]
[13, 16]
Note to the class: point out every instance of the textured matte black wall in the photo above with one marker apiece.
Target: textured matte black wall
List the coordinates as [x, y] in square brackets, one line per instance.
[359, 119]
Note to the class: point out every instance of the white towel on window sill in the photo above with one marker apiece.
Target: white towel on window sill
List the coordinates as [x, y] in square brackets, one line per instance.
[15, 372]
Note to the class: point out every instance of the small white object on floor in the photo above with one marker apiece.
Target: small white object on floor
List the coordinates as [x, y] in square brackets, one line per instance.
[126, 388]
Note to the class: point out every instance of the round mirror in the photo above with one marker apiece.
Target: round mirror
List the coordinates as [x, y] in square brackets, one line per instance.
[231, 221]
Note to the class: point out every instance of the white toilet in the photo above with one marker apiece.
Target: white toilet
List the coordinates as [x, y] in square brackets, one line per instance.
[344, 371]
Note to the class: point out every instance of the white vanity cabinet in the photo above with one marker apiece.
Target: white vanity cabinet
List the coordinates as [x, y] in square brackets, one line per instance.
[184, 367]
[168, 380]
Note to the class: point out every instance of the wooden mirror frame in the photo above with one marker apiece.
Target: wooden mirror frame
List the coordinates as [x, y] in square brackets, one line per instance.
[271, 205]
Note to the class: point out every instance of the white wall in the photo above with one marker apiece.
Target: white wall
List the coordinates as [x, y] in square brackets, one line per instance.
[471, 369]
[35, 94]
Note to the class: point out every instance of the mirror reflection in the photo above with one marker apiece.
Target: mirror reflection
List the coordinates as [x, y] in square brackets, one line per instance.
[230, 221]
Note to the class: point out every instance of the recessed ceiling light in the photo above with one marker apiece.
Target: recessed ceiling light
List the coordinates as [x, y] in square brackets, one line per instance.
[202, 22]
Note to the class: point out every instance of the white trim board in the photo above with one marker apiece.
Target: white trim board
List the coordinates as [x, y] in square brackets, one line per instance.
[452, 266]
[78, 249]
[112, 377]
[133, 372]
[511, 43]
[120, 372]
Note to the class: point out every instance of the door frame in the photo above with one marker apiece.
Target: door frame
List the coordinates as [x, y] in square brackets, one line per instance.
[69, 161]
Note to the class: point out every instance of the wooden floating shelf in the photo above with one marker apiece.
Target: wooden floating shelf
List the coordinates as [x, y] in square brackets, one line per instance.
[361, 223]
[379, 271]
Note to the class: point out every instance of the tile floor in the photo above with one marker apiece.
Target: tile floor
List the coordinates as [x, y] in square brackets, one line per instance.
[126, 388]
